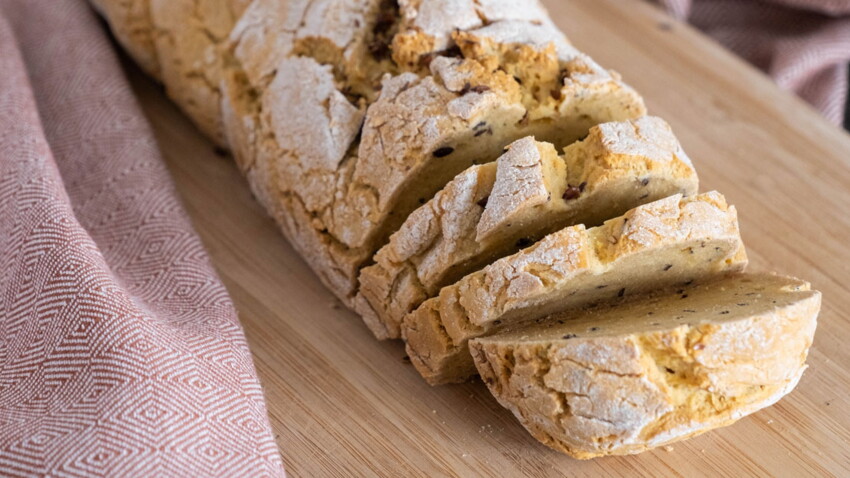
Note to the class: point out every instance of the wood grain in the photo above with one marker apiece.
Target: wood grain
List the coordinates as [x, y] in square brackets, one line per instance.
[343, 404]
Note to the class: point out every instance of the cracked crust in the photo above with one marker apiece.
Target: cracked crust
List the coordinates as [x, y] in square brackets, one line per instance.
[180, 43]
[372, 140]
[418, 131]
[429, 25]
[346, 115]
[675, 240]
[490, 210]
[659, 369]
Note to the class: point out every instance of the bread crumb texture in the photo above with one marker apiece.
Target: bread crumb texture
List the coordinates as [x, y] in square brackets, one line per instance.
[344, 113]
[492, 210]
[676, 240]
[481, 156]
[620, 381]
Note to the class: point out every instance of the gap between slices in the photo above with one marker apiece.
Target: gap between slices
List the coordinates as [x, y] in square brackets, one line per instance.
[654, 370]
[672, 241]
[218, 58]
[344, 173]
[492, 210]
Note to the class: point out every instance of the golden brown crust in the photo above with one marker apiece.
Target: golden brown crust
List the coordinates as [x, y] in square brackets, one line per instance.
[350, 191]
[346, 115]
[629, 383]
[180, 42]
[490, 210]
[669, 241]
[239, 69]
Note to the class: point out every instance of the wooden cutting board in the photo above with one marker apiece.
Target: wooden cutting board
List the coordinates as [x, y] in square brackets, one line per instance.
[343, 404]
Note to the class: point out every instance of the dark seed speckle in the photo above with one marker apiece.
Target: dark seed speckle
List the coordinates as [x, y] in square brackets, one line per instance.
[443, 152]
[572, 192]
[524, 242]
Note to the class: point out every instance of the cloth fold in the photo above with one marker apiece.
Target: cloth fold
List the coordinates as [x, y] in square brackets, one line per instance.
[120, 351]
[804, 45]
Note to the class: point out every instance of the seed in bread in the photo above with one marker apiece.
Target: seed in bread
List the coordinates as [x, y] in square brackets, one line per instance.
[238, 68]
[675, 240]
[494, 209]
[620, 380]
[415, 137]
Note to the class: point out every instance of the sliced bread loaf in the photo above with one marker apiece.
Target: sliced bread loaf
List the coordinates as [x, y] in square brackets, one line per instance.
[343, 114]
[675, 240]
[355, 173]
[494, 209]
[360, 155]
[624, 379]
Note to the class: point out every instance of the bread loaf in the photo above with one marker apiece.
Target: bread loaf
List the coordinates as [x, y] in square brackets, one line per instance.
[490, 210]
[645, 373]
[346, 116]
[672, 241]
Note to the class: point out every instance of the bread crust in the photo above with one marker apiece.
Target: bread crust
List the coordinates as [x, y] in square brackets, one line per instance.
[624, 392]
[346, 115]
[697, 237]
[321, 118]
[489, 210]
[131, 23]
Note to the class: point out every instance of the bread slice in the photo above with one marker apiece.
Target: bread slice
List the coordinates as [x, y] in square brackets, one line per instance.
[624, 379]
[492, 210]
[355, 173]
[675, 240]
[422, 132]
[343, 114]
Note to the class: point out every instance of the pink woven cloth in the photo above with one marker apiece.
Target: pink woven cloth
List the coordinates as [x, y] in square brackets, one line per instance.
[804, 45]
[120, 351]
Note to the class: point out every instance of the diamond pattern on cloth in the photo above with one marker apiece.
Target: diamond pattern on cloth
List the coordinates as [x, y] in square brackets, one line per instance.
[804, 45]
[120, 350]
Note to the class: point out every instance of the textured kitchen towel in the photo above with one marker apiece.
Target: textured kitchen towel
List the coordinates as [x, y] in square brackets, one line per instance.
[803, 44]
[120, 351]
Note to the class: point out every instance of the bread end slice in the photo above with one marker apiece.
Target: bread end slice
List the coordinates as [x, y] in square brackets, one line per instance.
[624, 379]
[673, 241]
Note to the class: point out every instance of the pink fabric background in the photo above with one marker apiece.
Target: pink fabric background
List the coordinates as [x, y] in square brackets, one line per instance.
[120, 351]
[803, 44]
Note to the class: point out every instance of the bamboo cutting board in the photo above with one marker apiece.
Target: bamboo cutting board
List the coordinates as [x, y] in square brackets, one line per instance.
[343, 404]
